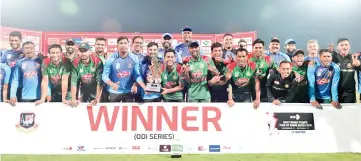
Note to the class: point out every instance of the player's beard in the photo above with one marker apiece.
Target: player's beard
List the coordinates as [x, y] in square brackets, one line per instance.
[242, 64]
[85, 59]
[166, 45]
[55, 60]
[29, 54]
[195, 54]
[15, 46]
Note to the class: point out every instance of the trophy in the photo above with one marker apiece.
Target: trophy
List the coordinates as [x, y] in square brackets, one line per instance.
[156, 70]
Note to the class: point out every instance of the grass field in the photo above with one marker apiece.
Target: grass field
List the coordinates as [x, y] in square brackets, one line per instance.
[215, 157]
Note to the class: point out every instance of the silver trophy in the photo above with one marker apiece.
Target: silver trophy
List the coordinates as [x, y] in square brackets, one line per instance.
[156, 70]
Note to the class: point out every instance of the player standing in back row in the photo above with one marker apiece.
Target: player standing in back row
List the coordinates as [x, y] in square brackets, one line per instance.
[88, 70]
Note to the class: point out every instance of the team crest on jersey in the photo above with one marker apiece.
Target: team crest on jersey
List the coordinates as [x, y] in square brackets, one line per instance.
[248, 74]
[261, 65]
[1, 76]
[130, 65]
[287, 86]
[319, 73]
[117, 66]
[55, 79]
[174, 77]
[92, 69]
[123, 74]
[276, 82]
[81, 70]
[349, 66]
[37, 65]
[8, 56]
[86, 78]
[236, 74]
[197, 74]
[21, 55]
[27, 122]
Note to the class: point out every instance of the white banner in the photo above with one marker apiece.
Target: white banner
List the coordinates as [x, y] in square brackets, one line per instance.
[161, 128]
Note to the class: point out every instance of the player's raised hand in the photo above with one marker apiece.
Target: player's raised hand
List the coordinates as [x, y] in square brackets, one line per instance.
[230, 102]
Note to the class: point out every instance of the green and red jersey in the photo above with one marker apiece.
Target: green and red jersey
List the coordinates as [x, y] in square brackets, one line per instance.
[89, 75]
[173, 79]
[197, 76]
[241, 79]
[55, 73]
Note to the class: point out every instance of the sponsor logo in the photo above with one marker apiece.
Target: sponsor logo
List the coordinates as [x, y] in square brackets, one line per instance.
[226, 147]
[214, 148]
[123, 74]
[136, 147]
[177, 148]
[69, 148]
[52, 41]
[81, 148]
[27, 122]
[98, 148]
[112, 41]
[55, 79]
[165, 148]
[197, 74]
[153, 148]
[206, 42]
[241, 82]
[12, 64]
[170, 84]
[30, 74]
[122, 148]
[201, 148]
[86, 78]
[110, 148]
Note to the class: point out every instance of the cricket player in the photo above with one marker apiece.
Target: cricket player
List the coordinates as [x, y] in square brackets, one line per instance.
[346, 62]
[240, 74]
[290, 46]
[11, 56]
[172, 78]
[219, 90]
[70, 50]
[278, 83]
[100, 44]
[298, 92]
[167, 40]
[312, 48]
[27, 75]
[55, 71]
[87, 69]
[147, 73]
[263, 65]
[121, 72]
[137, 49]
[5, 72]
[323, 79]
[196, 73]
[228, 50]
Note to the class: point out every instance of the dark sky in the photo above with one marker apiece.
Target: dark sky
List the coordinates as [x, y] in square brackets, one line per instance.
[324, 20]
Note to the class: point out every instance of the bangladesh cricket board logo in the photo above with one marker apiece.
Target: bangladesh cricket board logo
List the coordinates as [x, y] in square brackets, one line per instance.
[27, 122]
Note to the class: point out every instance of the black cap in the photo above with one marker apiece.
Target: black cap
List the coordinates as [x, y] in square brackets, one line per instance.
[342, 39]
[298, 51]
[194, 44]
[275, 39]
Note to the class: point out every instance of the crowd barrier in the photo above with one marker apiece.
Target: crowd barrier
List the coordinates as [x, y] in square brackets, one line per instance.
[189, 128]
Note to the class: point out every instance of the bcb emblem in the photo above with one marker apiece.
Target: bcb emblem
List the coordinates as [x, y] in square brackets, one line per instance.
[27, 122]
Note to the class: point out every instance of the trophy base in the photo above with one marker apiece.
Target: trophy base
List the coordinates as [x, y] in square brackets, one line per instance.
[153, 87]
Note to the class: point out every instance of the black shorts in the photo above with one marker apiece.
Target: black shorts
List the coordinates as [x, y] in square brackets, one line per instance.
[127, 97]
[219, 97]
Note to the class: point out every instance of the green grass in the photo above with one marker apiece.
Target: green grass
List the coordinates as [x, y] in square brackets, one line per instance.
[213, 157]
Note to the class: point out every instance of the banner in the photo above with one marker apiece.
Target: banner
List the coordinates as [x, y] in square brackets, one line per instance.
[190, 128]
[27, 35]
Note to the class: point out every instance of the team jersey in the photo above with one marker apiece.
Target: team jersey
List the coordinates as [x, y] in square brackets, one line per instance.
[323, 81]
[197, 76]
[27, 74]
[140, 56]
[241, 78]
[10, 57]
[263, 66]
[217, 89]
[171, 80]
[55, 73]
[144, 71]
[277, 87]
[316, 59]
[298, 92]
[347, 71]
[122, 71]
[88, 75]
[5, 72]
[278, 57]
[102, 57]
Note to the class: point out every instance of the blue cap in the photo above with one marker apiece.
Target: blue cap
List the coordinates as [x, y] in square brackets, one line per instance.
[187, 28]
[290, 41]
[167, 35]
